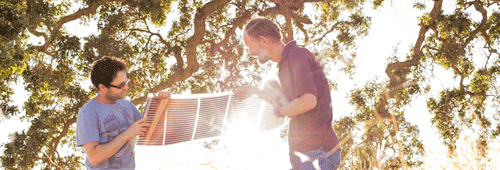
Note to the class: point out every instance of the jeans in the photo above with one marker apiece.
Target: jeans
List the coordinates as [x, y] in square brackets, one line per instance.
[317, 158]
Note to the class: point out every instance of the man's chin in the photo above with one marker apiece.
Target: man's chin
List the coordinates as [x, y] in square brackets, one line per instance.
[263, 60]
[123, 96]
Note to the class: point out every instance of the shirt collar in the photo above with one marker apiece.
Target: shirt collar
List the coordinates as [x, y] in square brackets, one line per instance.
[288, 48]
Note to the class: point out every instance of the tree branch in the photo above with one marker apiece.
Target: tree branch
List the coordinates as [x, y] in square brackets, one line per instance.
[178, 57]
[288, 26]
[334, 26]
[38, 34]
[190, 52]
[64, 132]
[51, 161]
[304, 31]
[239, 22]
[478, 5]
[494, 1]
[270, 11]
[91, 10]
[415, 59]
[300, 19]
[152, 33]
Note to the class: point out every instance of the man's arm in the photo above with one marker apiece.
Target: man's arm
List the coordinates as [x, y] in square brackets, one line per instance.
[302, 74]
[98, 153]
[244, 92]
[302, 104]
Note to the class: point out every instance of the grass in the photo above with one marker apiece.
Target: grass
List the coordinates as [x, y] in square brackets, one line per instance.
[467, 156]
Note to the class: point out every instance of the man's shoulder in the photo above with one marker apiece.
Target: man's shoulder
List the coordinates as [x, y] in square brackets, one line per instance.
[90, 104]
[125, 103]
[300, 55]
[298, 51]
[302, 51]
[88, 108]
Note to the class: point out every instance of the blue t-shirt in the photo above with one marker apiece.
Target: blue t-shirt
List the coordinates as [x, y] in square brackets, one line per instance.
[103, 122]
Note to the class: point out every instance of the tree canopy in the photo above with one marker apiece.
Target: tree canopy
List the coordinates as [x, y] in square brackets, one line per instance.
[449, 41]
[196, 46]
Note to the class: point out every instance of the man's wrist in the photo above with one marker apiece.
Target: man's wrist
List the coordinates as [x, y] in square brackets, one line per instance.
[277, 112]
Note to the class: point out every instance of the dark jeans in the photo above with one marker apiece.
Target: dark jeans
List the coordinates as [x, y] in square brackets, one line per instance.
[317, 158]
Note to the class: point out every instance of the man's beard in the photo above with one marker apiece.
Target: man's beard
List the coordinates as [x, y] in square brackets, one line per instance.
[114, 97]
[263, 55]
[263, 59]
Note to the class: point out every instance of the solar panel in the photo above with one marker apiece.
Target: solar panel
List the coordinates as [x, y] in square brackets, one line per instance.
[184, 118]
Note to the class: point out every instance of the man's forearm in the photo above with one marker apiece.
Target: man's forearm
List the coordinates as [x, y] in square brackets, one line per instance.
[300, 105]
[102, 152]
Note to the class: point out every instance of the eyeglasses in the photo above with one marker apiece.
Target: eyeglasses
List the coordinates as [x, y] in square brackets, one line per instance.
[119, 86]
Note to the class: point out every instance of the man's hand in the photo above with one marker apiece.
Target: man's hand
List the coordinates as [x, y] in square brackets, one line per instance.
[138, 128]
[276, 101]
[244, 92]
[276, 104]
[98, 153]
[162, 95]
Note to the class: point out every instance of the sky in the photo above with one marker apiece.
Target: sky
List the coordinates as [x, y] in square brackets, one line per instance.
[394, 25]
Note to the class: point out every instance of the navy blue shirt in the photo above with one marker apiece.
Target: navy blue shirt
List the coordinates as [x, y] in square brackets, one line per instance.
[300, 73]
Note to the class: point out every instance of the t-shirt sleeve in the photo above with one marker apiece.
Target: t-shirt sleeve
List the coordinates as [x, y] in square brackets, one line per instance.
[303, 76]
[137, 114]
[87, 129]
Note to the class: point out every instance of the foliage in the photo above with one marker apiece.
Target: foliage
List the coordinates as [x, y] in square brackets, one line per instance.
[12, 53]
[372, 138]
[450, 41]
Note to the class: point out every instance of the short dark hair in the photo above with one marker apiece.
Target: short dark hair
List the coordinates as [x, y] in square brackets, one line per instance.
[104, 70]
[260, 26]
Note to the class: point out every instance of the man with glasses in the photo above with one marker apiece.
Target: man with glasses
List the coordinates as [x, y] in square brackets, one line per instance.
[107, 124]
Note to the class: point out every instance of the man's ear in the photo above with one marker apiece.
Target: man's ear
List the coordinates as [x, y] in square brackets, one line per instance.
[263, 40]
[101, 87]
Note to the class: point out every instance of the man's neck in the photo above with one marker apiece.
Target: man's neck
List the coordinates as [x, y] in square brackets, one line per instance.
[278, 51]
[101, 98]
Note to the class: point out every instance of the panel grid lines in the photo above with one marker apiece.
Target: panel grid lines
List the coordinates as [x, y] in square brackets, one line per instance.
[186, 118]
